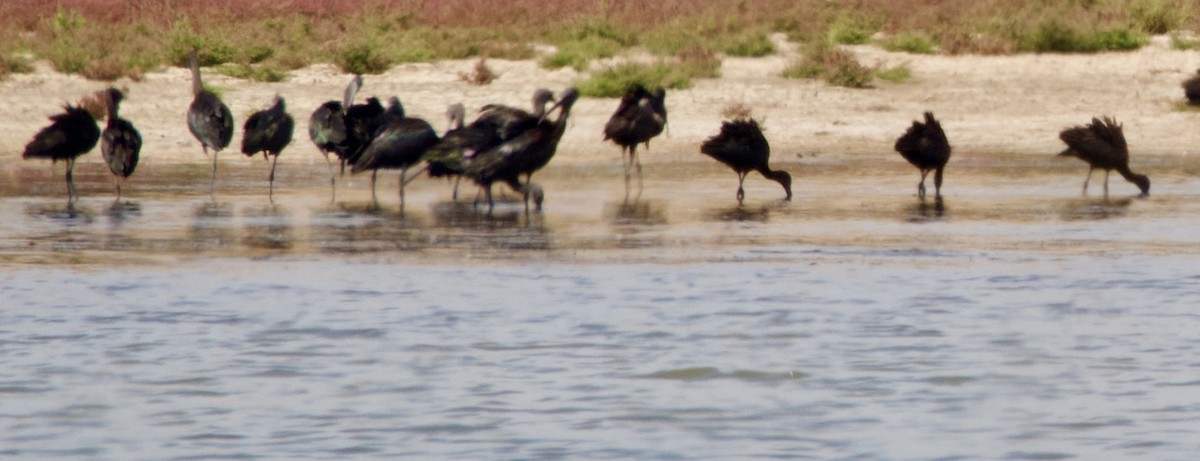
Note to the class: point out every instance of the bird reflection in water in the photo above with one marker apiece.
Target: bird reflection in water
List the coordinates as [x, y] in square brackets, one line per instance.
[637, 213]
[269, 227]
[1094, 210]
[119, 212]
[211, 226]
[925, 210]
[740, 213]
[358, 228]
[69, 213]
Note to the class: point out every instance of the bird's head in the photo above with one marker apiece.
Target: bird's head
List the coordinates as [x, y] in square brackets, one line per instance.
[1143, 183]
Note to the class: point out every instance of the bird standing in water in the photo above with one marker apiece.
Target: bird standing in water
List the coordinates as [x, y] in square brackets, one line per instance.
[640, 117]
[328, 129]
[1102, 145]
[120, 143]
[924, 145]
[268, 131]
[73, 133]
[209, 119]
[742, 146]
[399, 142]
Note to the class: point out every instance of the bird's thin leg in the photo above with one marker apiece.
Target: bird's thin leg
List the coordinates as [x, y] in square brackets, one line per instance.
[491, 204]
[1087, 179]
[1106, 172]
[921, 185]
[212, 183]
[70, 181]
[271, 179]
[342, 161]
[402, 182]
[117, 183]
[525, 190]
[741, 193]
[937, 183]
[373, 199]
[625, 162]
[638, 161]
[454, 195]
[332, 179]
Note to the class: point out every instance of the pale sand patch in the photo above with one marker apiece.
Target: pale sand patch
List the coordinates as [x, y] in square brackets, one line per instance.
[1010, 104]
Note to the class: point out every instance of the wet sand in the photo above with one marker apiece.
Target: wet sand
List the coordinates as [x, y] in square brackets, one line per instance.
[686, 213]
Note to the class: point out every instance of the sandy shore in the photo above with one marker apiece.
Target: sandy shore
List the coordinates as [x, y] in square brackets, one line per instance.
[1009, 104]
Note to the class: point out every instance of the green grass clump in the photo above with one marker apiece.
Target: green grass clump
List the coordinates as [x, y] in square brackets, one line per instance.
[1156, 16]
[751, 44]
[12, 63]
[910, 42]
[1184, 43]
[580, 53]
[613, 81]
[361, 58]
[1052, 36]
[253, 72]
[849, 30]
[836, 66]
[896, 74]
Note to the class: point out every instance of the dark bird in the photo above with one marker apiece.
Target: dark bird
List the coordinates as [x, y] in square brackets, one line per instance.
[640, 117]
[399, 142]
[327, 128]
[1191, 89]
[458, 145]
[1102, 145]
[120, 143]
[73, 133]
[524, 154]
[508, 121]
[209, 119]
[742, 146]
[359, 123]
[924, 145]
[268, 131]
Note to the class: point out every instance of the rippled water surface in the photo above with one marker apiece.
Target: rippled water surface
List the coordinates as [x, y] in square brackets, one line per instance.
[1014, 320]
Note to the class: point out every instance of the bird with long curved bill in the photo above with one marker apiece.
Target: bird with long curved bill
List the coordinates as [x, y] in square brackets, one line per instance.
[741, 146]
[1102, 145]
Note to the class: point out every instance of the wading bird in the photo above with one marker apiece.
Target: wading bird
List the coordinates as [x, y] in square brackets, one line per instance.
[524, 154]
[120, 143]
[640, 117]
[742, 146]
[268, 131]
[509, 122]
[924, 145]
[209, 119]
[458, 145]
[73, 133]
[399, 142]
[1102, 145]
[327, 128]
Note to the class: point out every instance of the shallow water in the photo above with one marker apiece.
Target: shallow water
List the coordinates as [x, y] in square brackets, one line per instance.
[1017, 320]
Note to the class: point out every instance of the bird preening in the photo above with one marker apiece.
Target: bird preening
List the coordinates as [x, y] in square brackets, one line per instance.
[120, 143]
[1102, 145]
[268, 131]
[208, 118]
[741, 146]
[640, 116]
[72, 133]
[924, 145]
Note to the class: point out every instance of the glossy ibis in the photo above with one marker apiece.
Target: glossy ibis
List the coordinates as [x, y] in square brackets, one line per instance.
[640, 117]
[209, 119]
[72, 133]
[742, 146]
[1102, 145]
[398, 142]
[120, 143]
[328, 129]
[924, 145]
[268, 131]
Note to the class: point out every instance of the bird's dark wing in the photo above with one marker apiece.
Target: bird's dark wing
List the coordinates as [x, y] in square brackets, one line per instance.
[456, 147]
[398, 144]
[327, 127]
[1083, 142]
[72, 134]
[740, 145]
[508, 122]
[120, 146]
[210, 121]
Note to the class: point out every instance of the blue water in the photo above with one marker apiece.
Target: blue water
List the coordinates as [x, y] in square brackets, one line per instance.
[1012, 322]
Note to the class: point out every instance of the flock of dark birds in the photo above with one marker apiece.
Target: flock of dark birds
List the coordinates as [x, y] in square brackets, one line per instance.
[503, 144]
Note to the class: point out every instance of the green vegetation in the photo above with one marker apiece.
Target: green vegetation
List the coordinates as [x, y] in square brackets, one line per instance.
[834, 65]
[910, 42]
[674, 74]
[896, 74]
[252, 39]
